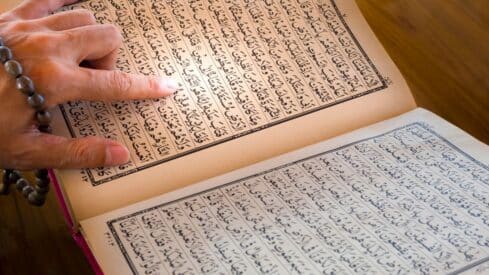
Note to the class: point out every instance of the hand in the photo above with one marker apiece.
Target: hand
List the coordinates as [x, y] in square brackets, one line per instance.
[50, 49]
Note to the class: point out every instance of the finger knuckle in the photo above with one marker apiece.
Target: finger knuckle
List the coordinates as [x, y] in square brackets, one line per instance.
[68, 36]
[44, 75]
[111, 28]
[44, 71]
[7, 17]
[153, 84]
[49, 41]
[42, 39]
[79, 153]
[121, 83]
[18, 27]
[86, 16]
[113, 33]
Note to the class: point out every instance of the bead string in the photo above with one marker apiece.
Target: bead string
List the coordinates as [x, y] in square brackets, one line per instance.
[35, 195]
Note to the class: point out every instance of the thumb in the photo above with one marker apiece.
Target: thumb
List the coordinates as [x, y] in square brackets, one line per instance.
[89, 152]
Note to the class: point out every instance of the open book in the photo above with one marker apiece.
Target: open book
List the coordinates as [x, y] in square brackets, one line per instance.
[293, 145]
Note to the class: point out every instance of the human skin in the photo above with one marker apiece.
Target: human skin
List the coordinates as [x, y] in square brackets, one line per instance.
[51, 49]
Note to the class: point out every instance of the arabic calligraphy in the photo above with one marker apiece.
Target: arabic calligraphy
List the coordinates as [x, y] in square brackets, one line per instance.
[243, 66]
[402, 202]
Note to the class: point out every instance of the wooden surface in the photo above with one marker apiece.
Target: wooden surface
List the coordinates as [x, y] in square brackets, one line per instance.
[442, 50]
[440, 46]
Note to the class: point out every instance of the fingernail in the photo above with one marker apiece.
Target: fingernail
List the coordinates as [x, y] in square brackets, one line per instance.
[169, 85]
[116, 154]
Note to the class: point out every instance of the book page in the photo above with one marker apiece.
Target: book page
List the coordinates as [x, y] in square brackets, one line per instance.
[257, 79]
[408, 195]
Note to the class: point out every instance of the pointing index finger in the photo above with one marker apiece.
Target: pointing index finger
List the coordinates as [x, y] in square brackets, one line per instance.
[92, 84]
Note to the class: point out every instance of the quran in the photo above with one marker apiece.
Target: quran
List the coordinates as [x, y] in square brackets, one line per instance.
[292, 146]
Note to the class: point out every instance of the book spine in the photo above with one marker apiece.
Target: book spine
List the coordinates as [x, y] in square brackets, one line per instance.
[77, 236]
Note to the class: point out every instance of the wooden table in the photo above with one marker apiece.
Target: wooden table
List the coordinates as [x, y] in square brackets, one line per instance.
[440, 46]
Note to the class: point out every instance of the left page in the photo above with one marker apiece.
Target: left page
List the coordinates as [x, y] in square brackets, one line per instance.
[406, 196]
[257, 79]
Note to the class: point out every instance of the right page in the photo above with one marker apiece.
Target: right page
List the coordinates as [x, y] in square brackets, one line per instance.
[257, 79]
[409, 195]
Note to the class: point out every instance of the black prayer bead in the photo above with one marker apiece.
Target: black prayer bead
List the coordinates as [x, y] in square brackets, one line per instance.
[25, 85]
[41, 189]
[36, 101]
[21, 183]
[35, 196]
[13, 68]
[45, 129]
[36, 199]
[5, 184]
[14, 176]
[44, 118]
[27, 190]
[42, 173]
[42, 181]
[6, 175]
[5, 54]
